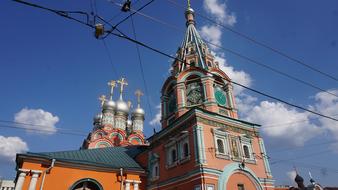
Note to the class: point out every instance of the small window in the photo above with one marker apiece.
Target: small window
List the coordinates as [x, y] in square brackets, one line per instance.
[209, 64]
[240, 186]
[173, 155]
[246, 151]
[186, 150]
[192, 64]
[220, 146]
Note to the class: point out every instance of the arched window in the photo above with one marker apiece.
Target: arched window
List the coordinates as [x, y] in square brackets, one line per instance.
[186, 150]
[220, 146]
[86, 184]
[209, 64]
[246, 151]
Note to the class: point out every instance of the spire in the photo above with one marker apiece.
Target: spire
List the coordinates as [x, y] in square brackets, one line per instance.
[192, 45]
[122, 83]
[112, 85]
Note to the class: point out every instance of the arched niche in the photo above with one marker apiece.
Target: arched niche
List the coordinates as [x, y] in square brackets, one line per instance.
[86, 184]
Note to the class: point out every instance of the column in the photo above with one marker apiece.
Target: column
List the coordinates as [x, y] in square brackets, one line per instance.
[127, 187]
[209, 97]
[34, 180]
[136, 185]
[21, 179]
[180, 94]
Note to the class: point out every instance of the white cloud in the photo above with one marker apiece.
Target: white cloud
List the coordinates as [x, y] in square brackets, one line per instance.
[293, 132]
[235, 75]
[220, 12]
[157, 119]
[10, 146]
[328, 105]
[212, 34]
[41, 121]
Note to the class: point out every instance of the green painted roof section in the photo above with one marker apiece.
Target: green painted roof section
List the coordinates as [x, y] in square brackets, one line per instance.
[110, 157]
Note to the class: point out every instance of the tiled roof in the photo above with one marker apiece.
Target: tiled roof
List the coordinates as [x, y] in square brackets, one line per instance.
[110, 157]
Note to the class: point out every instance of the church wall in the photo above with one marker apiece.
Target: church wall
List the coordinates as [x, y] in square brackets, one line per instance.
[219, 163]
[65, 177]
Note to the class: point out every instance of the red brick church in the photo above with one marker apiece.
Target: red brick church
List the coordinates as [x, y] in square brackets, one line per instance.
[202, 144]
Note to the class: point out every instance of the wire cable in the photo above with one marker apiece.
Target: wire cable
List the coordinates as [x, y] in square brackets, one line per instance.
[241, 56]
[141, 67]
[178, 59]
[110, 58]
[251, 39]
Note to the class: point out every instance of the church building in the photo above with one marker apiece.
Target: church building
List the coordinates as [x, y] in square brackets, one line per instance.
[202, 144]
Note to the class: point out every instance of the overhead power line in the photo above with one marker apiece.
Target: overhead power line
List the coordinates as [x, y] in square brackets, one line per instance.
[253, 40]
[238, 54]
[141, 67]
[175, 58]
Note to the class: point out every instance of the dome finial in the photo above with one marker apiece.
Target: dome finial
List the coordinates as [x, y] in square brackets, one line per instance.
[122, 83]
[102, 99]
[112, 85]
[138, 94]
[189, 14]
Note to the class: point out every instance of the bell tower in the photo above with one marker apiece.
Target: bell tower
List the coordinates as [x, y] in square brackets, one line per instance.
[203, 144]
[196, 79]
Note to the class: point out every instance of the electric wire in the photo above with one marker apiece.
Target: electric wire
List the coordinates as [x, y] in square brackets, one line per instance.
[44, 130]
[119, 13]
[110, 32]
[258, 63]
[251, 39]
[110, 58]
[165, 54]
[141, 67]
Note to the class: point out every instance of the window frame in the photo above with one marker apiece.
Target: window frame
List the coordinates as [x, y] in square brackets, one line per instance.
[223, 136]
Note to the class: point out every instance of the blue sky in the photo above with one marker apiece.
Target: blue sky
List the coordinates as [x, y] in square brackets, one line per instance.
[56, 65]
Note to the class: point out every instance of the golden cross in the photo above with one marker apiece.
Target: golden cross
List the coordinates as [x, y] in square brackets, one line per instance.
[102, 98]
[112, 85]
[138, 94]
[122, 83]
[188, 3]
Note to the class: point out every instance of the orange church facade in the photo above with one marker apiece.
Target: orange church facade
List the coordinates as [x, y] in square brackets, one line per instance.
[202, 145]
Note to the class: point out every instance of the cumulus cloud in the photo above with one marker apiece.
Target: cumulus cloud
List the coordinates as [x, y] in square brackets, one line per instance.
[157, 119]
[297, 130]
[40, 121]
[220, 12]
[238, 76]
[328, 105]
[10, 146]
[212, 34]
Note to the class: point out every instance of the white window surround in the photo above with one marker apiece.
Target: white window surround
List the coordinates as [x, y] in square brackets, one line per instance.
[247, 142]
[223, 137]
[177, 144]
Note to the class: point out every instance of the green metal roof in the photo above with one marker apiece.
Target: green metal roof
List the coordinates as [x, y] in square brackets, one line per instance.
[110, 157]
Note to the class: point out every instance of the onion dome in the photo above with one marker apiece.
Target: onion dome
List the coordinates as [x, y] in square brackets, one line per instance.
[109, 105]
[122, 106]
[138, 111]
[98, 118]
[299, 179]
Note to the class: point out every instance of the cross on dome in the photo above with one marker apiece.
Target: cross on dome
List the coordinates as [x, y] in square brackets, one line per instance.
[102, 99]
[122, 83]
[112, 85]
[138, 94]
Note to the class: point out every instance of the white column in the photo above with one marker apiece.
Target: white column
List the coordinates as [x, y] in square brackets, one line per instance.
[136, 184]
[21, 179]
[34, 180]
[127, 185]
